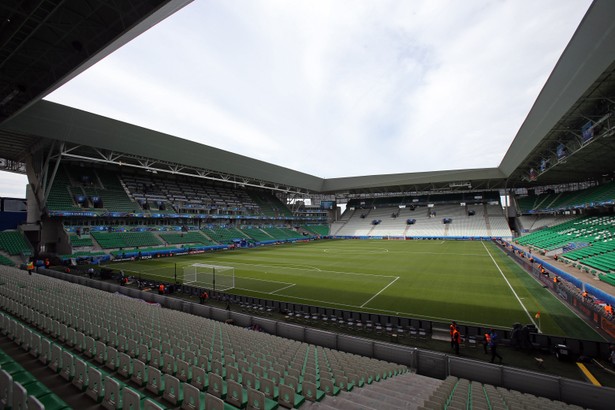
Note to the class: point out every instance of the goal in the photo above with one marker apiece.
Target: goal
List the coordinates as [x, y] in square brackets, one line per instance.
[215, 277]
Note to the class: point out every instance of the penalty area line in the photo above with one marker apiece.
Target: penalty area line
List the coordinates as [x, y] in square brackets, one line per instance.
[381, 290]
[511, 288]
[278, 290]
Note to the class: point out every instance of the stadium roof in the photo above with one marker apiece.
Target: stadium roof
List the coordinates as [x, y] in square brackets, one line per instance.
[580, 89]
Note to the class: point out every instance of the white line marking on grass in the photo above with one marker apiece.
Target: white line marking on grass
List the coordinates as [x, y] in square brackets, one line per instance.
[264, 280]
[354, 251]
[285, 287]
[381, 290]
[511, 288]
[312, 270]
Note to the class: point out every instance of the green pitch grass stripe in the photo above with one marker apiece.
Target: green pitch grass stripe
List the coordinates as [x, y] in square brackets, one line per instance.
[511, 288]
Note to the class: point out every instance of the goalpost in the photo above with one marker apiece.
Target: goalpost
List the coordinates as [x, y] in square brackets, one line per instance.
[215, 277]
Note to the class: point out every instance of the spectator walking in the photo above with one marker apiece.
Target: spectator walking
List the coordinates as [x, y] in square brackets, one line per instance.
[493, 344]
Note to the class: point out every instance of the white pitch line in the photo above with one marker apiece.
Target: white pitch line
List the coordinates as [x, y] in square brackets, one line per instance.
[313, 269]
[264, 280]
[381, 290]
[278, 290]
[511, 288]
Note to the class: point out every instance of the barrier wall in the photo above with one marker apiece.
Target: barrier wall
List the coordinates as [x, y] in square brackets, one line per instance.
[424, 362]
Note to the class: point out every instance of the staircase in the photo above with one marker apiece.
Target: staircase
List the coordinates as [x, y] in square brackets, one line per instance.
[407, 391]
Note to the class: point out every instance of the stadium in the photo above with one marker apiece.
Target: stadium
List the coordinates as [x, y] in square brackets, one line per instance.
[147, 271]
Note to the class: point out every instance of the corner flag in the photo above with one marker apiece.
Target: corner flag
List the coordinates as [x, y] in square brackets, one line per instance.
[537, 315]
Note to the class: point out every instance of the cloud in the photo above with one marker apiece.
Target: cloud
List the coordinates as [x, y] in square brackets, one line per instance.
[338, 88]
[12, 185]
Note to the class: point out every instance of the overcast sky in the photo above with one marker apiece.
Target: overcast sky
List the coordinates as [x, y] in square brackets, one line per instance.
[336, 88]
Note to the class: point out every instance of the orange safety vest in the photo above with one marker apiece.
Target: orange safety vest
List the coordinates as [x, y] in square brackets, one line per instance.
[456, 336]
[161, 287]
[609, 309]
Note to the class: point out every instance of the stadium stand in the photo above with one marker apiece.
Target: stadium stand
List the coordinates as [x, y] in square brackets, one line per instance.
[158, 358]
[111, 240]
[225, 235]
[530, 223]
[322, 230]
[80, 241]
[270, 205]
[581, 230]
[186, 237]
[257, 234]
[485, 221]
[84, 335]
[6, 261]
[551, 201]
[14, 243]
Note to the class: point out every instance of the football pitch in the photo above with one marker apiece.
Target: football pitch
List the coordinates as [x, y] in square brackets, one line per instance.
[472, 282]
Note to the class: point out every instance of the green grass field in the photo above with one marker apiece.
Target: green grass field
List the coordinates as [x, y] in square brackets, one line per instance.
[468, 281]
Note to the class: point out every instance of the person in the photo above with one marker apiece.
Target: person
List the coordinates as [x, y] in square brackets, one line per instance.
[555, 280]
[493, 344]
[228, 304]
[608, 309]
[456, 340]
[203, 297]
[30, 267]
[612, 356]
[452, 328]
[486, 341]
[91, 272]
[584, 294]
[161, 289]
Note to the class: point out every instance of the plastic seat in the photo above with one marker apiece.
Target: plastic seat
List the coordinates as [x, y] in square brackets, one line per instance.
[101, 352]
[200, 378]
[112, 399]
[80, 376]
[6, 389]
[155, 381]
[184, 371]
[90, 346]
[288, 398]
[139, 373]
[45, 353]
[125, 366]
[68, 368]
[235, 394]
[268, 388]
[96, 387]
[213, 403]
[169, 366]
[217, 386]
[35, 344]
[194, 399]
[310, 392]
[172, 390]
[55, 362]
[20, 397]
[113, 360]
[132, 399]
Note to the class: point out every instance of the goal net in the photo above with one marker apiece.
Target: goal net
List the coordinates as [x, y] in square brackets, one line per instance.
[215, 277]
